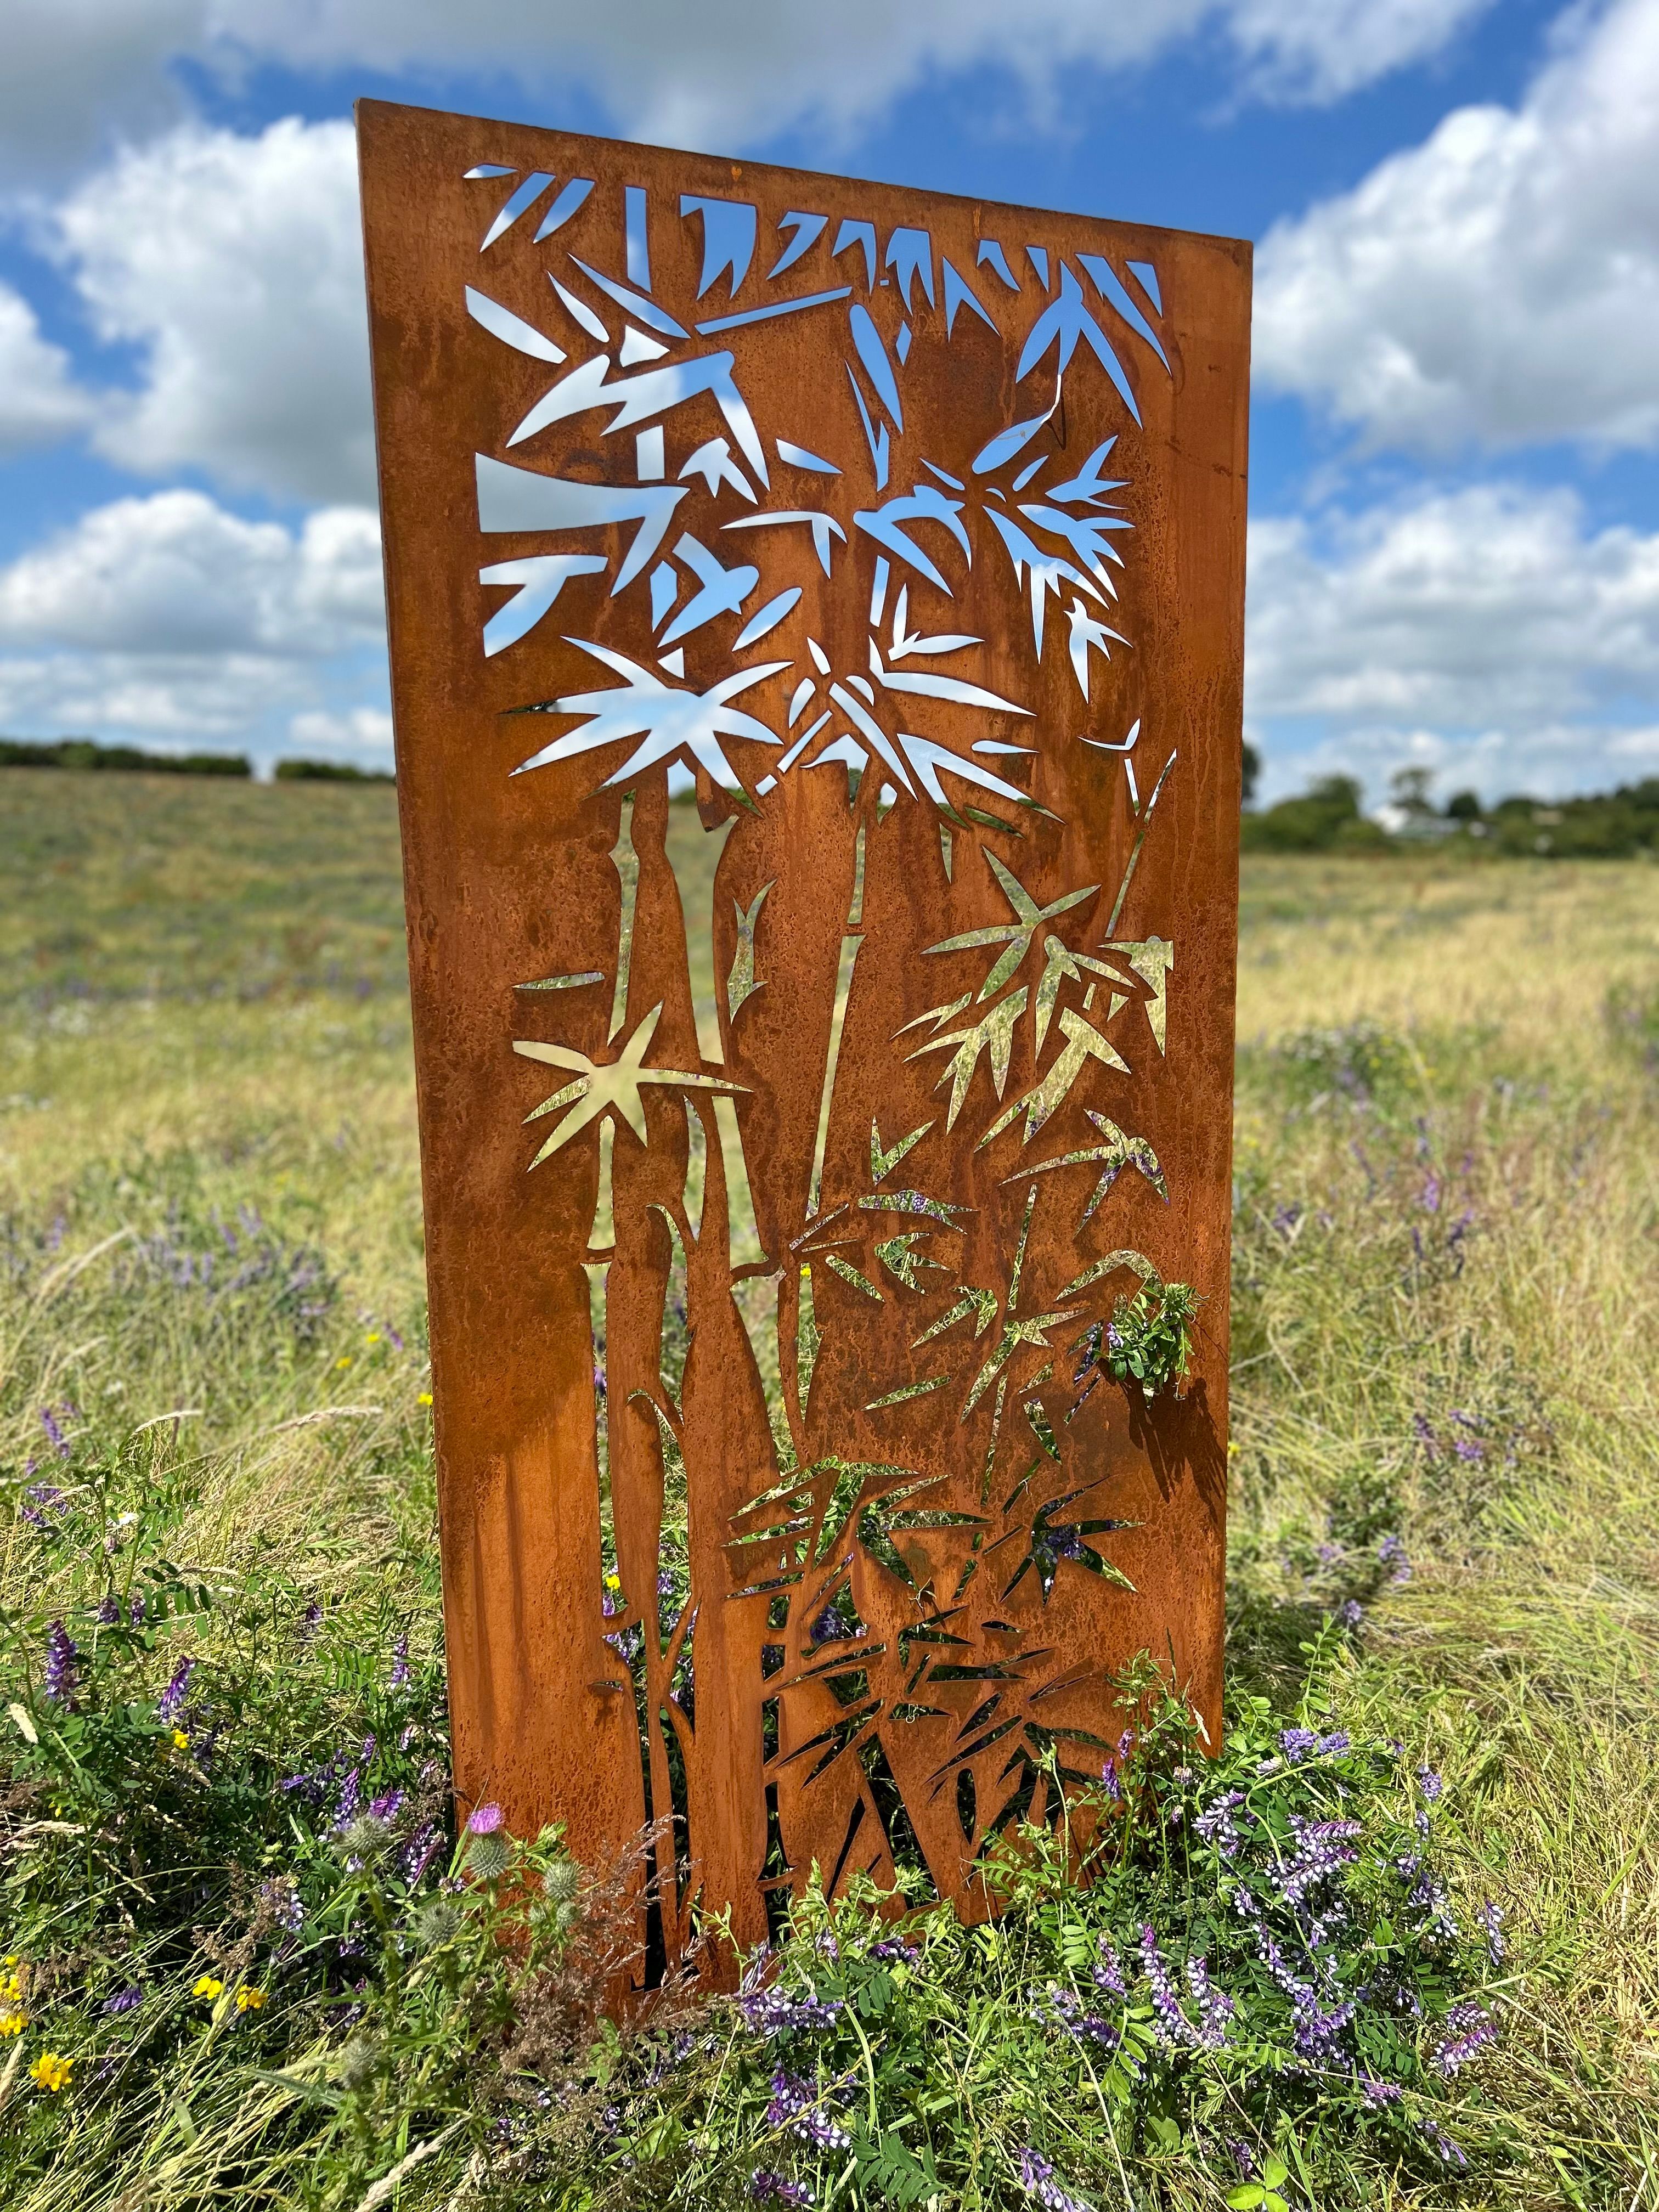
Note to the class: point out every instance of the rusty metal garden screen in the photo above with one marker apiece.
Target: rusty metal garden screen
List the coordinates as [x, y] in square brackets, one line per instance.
[816, 633]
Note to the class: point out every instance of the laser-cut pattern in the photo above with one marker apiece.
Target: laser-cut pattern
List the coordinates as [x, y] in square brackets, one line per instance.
[845, 1534]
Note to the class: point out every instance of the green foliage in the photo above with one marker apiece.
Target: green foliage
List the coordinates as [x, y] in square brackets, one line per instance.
[320, 771]
[1149, 1339]
[1326, 817]
[83, 754]
[1247, 1960]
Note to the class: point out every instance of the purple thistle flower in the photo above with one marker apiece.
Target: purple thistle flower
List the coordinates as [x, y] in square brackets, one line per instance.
[484, 1820]
[123, 2000]
[61, 1655]
[1036, 2178]
[170, 1702]
[795, 2105]
[1470, 2029]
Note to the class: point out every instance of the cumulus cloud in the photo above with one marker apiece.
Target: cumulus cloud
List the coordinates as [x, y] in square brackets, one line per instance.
[361, 733]
[234, 265]
[40, 401]
[1499, 283]
[728, 73]
[176, 574]
[169, 617]
[1488, 631]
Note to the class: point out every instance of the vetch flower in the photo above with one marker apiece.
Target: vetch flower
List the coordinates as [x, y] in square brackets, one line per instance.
[1036, 2178]
[795, 2104]
[61, 1655]
[125, 2000]
[768, 2188]
[1470, 2029]
[1491, 1919]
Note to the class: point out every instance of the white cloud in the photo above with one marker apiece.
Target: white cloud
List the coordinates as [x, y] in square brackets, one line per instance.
[1317, 51]
[1487, 630]
[175, 573]
[39, 401]
[168, 618]
[726, 73]
[235, 265]
[1499, 283]
[362, 732]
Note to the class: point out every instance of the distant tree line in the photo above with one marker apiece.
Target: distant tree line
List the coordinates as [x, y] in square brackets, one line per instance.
[1328, 817]
[84, 755]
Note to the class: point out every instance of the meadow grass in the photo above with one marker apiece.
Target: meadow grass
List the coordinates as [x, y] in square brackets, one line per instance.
[1446, 1310]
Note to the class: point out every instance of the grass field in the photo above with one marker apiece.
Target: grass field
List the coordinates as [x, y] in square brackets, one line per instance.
[1447, 1311]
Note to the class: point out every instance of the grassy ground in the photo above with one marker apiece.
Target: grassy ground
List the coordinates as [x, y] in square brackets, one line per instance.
[1447, 1307]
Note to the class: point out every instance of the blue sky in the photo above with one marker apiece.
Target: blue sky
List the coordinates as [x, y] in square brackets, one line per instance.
[1455, 495]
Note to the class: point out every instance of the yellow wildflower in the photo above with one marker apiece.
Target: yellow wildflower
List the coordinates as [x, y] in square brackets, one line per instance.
[425, 1398]
[374, 1336]
[344, 1360]
[249, 2000]
[51, 2071]
[180, 1741]
[12, 2021]
[11, 1989]
[207, 1987]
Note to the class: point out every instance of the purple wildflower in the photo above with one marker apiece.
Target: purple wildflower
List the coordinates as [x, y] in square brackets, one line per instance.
[1215, 1824]
[1429, 1783]
[1334, 1745]
[795, 2105]
[387, 1807]
[774, 2012]
[170, 1702]
[1215, 2006]
[1470, 2029]
[123, 2000]
[768, 2188]
[1380, 2093]
[1491, 1919]
[1171, 2026]
[351, 1790]
[61, 1655]
[280, 1896]
[1109, 1969]
[1350, 1612]
[43, 1502]
[400, 1664]
[418, 1853]
[109, 1610]
[1450, 2153]
[1470, 1448]
[55, 1436]
[484, 1820]
[1391, 1552]
[1296, 1743]
[1063, 2008]
[1432, 1195]
[1036, 2178]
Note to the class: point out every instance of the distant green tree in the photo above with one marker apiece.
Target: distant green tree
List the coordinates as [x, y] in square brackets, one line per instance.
[1252, 774]
[1463, 806]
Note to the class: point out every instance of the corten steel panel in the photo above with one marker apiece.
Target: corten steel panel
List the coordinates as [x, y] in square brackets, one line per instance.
[962, 710]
